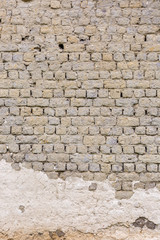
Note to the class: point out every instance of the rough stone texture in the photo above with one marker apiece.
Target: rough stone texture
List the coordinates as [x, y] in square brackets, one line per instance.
[80, 91]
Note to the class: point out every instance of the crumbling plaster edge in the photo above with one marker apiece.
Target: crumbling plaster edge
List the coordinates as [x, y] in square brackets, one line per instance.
[104, 192]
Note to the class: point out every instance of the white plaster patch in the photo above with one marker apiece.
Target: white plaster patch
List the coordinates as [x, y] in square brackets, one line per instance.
[31, 201]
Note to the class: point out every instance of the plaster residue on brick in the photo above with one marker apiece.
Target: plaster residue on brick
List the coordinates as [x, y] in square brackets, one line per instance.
[31, 202]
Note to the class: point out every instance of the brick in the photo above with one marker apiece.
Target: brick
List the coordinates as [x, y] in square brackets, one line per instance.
[60, 167]
[8, 48]
[33, 121]
[30, 157]
[49, 167]
[94, 140]
[94, 167]
[152, 167]
[83, 167]
[127, 186]
[123, 194]
[140, 167]
[116, 168]
[128, 167]
[126, 158]
[71, 166]
[126, 140]
[127, 121]
[149, 158]
[37, 166]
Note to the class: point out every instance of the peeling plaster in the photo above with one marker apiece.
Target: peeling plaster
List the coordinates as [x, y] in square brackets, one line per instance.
[30, 201]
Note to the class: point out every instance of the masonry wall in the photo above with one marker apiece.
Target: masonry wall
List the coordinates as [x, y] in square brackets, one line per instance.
[80, 104]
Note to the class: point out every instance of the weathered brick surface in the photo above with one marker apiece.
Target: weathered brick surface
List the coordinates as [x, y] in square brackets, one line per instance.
[80, 88]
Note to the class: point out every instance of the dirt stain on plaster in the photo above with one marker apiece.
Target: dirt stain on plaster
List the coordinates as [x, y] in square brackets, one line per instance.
[142, 222]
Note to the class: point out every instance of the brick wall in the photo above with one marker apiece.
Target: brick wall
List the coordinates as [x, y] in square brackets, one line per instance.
[80, 90]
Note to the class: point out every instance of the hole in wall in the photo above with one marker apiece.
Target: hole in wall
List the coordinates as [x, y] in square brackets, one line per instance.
[145, 38]
[22, 208]
[92, 187]
[142, 221]
[25, 38]
[38, 48]
[0, 20]
[60, 233]
[61, 46]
